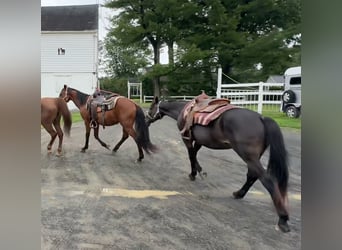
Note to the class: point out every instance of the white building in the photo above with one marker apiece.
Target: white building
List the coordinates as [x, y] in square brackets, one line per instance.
[69, 49]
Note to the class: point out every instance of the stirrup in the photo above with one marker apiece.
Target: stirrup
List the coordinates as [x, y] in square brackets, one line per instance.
[186, 137]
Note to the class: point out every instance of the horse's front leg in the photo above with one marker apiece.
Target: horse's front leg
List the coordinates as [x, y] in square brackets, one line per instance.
[198, 166]
[192, 152]
[87, 127]
[96, 135]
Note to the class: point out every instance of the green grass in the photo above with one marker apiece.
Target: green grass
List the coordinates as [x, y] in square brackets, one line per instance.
[279, 117]
[76, 116]
[283, 120]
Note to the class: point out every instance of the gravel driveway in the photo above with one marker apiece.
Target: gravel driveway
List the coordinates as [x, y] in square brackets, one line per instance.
[104, 200]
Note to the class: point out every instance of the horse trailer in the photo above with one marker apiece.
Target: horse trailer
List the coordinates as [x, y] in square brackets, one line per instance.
[291, 98]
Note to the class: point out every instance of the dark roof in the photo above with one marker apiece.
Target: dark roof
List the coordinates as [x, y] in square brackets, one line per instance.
[69, 18]
[134, 80]
[275, 79]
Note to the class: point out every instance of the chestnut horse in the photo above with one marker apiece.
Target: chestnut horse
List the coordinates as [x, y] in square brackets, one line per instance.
[125, 112]
[52, 109]
[248, 134]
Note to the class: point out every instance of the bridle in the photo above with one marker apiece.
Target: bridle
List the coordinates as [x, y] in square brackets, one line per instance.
[65, 97]
[156, 115]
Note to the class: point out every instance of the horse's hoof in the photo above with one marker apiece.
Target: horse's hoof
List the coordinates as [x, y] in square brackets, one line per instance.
[59, 154]
[49, 152]
[238, 195]
[192, 178]
[202, 175]
[138, 160]
[83, 150]
[283, 226]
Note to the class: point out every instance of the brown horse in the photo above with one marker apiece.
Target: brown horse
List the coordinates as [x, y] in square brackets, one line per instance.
[52, 109]
[125, 112]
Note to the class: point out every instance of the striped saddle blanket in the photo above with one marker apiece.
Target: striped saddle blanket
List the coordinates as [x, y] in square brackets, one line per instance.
[208, 113]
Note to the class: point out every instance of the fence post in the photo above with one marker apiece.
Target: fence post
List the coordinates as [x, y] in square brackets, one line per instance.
[219, 82]
[128, 90]
[260, 97]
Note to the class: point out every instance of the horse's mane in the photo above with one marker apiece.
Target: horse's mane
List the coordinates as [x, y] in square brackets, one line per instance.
[80, 96]
[175, 100]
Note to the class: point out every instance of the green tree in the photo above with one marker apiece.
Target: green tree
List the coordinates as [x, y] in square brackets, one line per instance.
[240, 35]
[138, 22]
[272, 32]
[124, 56]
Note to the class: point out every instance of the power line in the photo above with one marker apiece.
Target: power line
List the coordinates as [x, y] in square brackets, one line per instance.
[230, 78]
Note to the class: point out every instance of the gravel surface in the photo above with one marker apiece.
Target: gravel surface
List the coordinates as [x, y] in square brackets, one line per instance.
[105, 200]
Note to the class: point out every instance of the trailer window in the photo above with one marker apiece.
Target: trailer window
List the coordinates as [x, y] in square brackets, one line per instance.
[295, 81]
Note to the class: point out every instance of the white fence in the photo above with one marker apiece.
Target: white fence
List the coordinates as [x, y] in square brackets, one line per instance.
[256, 96]
[149, 98]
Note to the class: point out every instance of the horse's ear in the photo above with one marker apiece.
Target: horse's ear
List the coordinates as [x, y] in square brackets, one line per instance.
[65, 87]
[156, 99]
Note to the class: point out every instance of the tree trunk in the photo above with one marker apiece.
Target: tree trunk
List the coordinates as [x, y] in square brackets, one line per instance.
[156, 59]
[171, 53]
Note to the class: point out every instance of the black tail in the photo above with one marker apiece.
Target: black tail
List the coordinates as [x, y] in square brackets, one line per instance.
[143, 136]
[63, 108]
[277, 165]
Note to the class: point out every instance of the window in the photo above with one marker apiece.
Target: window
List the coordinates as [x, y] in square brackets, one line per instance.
[61, 51]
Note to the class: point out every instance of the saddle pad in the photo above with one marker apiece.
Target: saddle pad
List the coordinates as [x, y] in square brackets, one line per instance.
[204, 118]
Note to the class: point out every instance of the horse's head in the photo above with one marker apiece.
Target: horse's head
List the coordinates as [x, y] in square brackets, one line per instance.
[153, 112]
[64, 93]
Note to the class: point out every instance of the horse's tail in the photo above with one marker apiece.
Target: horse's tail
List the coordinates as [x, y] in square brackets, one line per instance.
[63, 108]
[277, 165]
[143, 136]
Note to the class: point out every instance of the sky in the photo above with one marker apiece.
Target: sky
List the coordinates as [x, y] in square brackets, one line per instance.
[104, 16]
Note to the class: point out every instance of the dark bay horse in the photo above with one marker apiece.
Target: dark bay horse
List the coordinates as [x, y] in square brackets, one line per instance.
[52, 109]
[125, 112]
[248, 134]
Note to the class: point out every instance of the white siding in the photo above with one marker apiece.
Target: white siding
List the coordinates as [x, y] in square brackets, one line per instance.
[52, 84]
[80, 52]
[75, 68]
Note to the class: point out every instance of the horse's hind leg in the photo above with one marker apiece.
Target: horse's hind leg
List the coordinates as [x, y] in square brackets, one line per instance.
[53, 135]
[272, 188]
[123, 139]
[56, 123]
[251, 178]
[133, 134]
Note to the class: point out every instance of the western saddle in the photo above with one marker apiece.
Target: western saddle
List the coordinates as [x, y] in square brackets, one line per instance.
[201, 103]
[98, 102]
